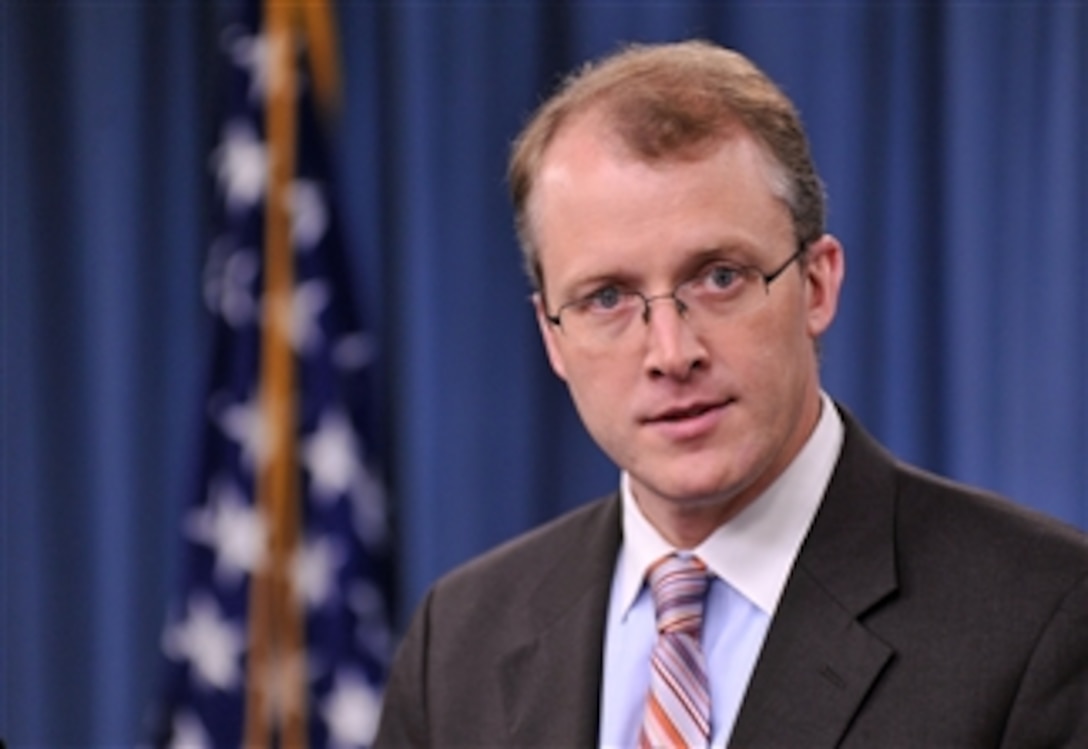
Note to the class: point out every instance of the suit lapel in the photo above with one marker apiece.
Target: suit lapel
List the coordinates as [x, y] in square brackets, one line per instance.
[552, 680]
[819, 661]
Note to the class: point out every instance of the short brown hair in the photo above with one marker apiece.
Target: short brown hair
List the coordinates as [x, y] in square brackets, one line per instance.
[674, 101]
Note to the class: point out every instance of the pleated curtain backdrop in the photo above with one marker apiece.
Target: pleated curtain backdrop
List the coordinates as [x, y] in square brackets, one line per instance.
[953, 139]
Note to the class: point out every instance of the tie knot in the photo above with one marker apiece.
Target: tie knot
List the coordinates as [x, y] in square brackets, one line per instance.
[678, 585]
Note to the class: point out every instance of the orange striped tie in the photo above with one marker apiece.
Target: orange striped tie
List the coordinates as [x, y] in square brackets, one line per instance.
[678, 703]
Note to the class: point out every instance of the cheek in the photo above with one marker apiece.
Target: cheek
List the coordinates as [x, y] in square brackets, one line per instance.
[768, 341]
[602, 389]
[600, 377]
[774, 355]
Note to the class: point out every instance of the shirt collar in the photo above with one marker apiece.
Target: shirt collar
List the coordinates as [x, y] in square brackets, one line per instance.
[754, 552]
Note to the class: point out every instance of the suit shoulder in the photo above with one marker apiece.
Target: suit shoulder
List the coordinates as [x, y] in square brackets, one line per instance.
[984, 523]
[957, 522]
[595, 525]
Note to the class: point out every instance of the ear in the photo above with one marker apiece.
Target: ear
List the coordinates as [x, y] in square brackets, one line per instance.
[824, 270]
[550, 333]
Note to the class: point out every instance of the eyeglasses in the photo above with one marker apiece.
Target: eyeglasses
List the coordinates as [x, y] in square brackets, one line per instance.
[719, 290]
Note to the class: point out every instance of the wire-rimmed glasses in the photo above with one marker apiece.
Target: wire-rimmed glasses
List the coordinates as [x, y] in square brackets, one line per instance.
[719, 290]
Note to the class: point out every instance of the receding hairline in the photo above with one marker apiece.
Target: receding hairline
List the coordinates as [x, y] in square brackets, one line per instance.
[672, 102]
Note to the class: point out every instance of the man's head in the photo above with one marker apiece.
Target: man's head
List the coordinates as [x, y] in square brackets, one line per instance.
[683, 274]
[673, 102]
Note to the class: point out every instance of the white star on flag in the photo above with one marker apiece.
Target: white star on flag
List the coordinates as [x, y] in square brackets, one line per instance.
[234, 529]
[331, 455]
[228, 283]
[352, 711]
[253, 53]
[369, 504]
[188, 733]
[354, 351]
[245, 424]
[208, 642]
[309, 301]
[313, 570]
[241, 166]
[311, 215]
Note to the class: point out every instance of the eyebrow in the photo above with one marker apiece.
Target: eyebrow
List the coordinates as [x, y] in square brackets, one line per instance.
[734, 254]
[737, 253]
[582, 287]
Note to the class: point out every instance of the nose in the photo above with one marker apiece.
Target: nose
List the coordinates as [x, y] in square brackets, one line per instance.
[673, 348]
[681, 307]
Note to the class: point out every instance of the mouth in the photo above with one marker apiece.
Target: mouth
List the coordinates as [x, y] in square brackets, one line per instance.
[688, 423]
[684, 413]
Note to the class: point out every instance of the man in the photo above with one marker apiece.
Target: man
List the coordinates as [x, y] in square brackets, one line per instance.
[814, 591]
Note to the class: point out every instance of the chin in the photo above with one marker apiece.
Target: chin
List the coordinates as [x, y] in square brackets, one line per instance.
[699, 491]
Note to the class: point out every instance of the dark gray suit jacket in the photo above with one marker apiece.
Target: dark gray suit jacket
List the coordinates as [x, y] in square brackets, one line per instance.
[919, 613]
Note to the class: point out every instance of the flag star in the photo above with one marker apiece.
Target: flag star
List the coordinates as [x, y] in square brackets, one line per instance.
[354, 351]
[228, 283]
[254, 54]
[368, 501]
[331, 455]
[188, 732]
[309, 301]
[313, 570]
[351, 711]
[233, 528]
[246, 425]
[309, 212]
[241, 165]
[209, 642]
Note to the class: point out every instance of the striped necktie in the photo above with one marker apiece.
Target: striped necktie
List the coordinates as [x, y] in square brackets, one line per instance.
[678, 703]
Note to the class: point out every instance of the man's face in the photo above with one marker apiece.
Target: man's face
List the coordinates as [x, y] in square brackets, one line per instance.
[702, 414]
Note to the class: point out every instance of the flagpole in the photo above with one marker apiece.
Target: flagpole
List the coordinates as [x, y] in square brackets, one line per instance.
[276, 694]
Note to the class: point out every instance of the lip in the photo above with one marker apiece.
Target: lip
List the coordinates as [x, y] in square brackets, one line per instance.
[689, 421]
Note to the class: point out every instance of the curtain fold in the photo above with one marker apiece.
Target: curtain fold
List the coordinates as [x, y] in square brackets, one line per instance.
[953, 140]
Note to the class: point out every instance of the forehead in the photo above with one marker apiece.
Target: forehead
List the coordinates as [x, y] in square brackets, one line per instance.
[596, 207]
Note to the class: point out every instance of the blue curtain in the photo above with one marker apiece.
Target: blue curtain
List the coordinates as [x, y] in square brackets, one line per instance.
[953, 139]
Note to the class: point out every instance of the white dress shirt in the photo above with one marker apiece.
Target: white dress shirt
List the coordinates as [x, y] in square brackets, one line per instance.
[750, 556]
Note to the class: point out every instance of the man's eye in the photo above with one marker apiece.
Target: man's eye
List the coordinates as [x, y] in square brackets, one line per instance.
[606, 298]
[722, 276]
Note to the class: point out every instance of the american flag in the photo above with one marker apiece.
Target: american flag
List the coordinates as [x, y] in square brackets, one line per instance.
[280, 636]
